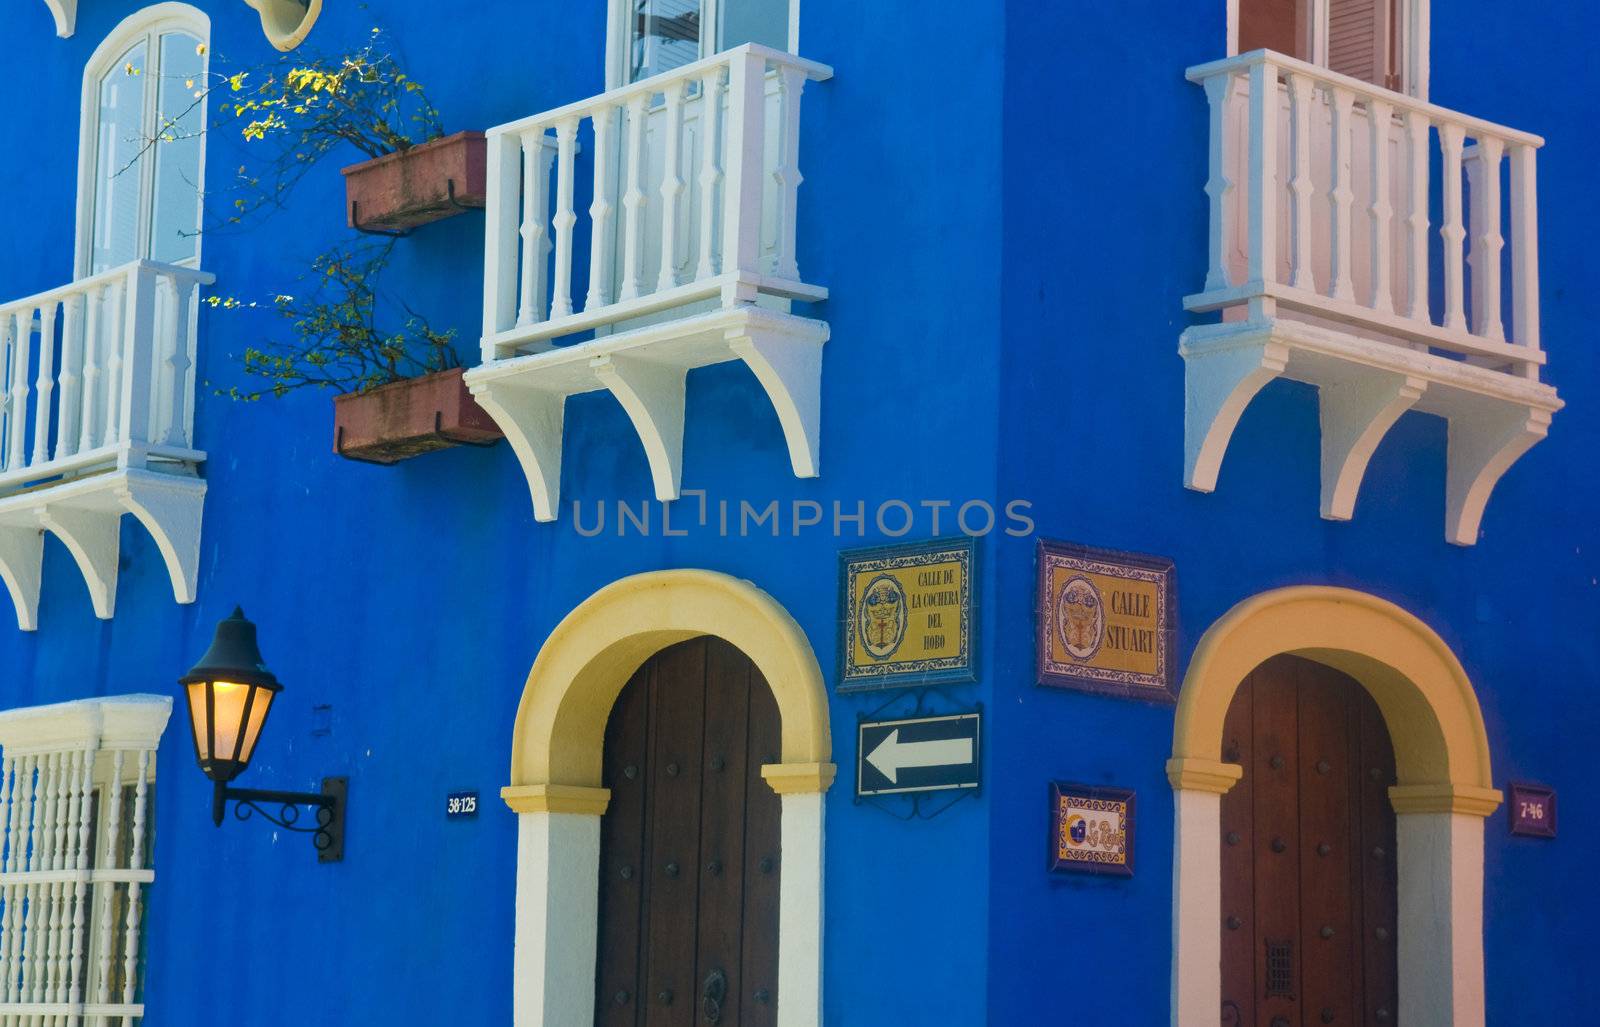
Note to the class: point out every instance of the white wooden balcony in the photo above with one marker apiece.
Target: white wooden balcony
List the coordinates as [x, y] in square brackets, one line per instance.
[684, 257]
[1358, 243]
[96, 420]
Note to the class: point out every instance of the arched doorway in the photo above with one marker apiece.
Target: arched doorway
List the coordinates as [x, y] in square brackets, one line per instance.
[1308, 860]
[689, 845]
[558, 793]
[1443, 790]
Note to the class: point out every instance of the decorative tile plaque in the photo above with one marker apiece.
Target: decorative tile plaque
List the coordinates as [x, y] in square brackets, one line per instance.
[1091, 829]
[906, 615]
[1105, 621]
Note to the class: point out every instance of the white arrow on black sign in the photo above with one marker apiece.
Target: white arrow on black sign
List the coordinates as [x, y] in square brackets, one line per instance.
[918, 754]
[892, 755]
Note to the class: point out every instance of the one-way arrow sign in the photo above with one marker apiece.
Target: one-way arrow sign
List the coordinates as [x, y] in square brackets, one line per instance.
[920, 754]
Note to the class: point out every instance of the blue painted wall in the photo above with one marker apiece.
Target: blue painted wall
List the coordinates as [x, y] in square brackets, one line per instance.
[414, 599]
[1004, 325]
[1105, 224]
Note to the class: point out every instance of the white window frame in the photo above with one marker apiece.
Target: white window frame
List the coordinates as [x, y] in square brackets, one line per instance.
[149, 23]
[1415, 29]
[54, 761]
[619, 34]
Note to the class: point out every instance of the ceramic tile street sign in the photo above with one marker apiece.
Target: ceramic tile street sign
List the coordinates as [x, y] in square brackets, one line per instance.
[1091, 829]
[1105, 621]
[1533, 810]
[918, 754]
[906, 615]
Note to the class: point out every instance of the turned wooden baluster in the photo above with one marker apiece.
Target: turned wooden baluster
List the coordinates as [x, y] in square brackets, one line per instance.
[8, 800]
[21, 352]
[116, 345]
[1525, 253]
[107, 889]
[1302, 91]
[1417, 128]
[130, 961]
[1380, 120]
[45, 384]
[1262, 225]
[710, 169]
[536, 158]
[28, 990]
[565, 219]
[71, 375]
[600, 213]
[634, 203]
[83, 859]
[671, 184]
[21, 802]
[7, 345]
[502, 164]
[791, 83]
[93, 354]
[1487, 242]
[1341, 196]
[1453, 232]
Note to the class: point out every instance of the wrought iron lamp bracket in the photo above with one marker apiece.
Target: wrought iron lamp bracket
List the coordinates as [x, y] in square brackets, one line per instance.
[327, 833]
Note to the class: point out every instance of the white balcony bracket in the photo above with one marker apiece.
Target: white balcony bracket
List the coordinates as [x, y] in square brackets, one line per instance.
[86, 514]
[789, 367]
[1483, 445]
[1364, 386]
[1219, 382]
[91, 535]
[652, 394]
[646, 370]
[1356, 414]
[22, 568]
[169, 507]
[65, 12]
[532, 421]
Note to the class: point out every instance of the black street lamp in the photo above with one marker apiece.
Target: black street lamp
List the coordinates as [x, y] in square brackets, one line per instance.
[230, 693]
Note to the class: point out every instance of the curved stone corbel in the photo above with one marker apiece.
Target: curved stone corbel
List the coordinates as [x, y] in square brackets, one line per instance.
[65, 13]
[1482, 447]
[789, 368]
[22, 570]
[170, 509]
[92, 537]
[1356, 414]
[1219, 383]
[653, 396]
[532, 421]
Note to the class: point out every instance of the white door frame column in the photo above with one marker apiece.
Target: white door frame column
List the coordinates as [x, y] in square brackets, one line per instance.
[556, 794]
[1443, 795]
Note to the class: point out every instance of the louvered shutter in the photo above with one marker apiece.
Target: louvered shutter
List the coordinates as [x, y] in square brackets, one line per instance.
[1360, 40]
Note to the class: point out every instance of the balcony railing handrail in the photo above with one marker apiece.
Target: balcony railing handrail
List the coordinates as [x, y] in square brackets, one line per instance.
[175, 271]
[654, 84]
[1245, 61]
[99, 371]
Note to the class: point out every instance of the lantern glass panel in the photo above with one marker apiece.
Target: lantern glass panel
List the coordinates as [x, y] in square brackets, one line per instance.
[229, 700]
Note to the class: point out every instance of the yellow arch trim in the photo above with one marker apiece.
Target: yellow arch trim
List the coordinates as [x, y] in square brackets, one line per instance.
[589, 657]
[1427, 701]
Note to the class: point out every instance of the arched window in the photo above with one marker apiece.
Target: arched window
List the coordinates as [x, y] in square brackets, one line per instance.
[142, 148]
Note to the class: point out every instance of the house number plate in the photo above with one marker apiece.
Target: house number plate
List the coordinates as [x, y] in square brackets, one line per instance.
[461, 804]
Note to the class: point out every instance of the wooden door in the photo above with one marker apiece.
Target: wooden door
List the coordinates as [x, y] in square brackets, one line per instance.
[1308, 863]
[689, 845]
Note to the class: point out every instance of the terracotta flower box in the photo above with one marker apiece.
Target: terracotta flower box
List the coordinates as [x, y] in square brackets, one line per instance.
[405, 419]
[399, 191]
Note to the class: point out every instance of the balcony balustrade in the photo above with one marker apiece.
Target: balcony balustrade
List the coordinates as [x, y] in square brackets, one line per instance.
[686, 257]
[96, 420]
[1358, 242]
